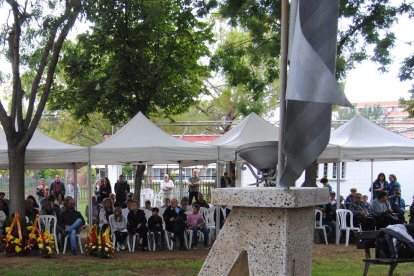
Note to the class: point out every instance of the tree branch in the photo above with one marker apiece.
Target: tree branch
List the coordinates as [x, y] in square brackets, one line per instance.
[71, 13]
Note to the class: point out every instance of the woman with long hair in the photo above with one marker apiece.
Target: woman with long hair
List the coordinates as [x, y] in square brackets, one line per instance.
[119, 228]
[106, 210]
[379, 185]
[104, 190]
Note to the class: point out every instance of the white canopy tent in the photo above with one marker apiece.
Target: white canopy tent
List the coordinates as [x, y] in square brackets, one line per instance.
[45, 152]
[251, 129]
[140, 141]
[361, 140]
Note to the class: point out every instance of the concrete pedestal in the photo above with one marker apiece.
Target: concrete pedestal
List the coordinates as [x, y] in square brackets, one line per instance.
[268, 232]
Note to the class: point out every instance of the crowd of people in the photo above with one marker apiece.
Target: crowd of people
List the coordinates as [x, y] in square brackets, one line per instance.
[119, 212]
[386, 208]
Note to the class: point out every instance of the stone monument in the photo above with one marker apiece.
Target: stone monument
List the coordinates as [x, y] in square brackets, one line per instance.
[269, 230]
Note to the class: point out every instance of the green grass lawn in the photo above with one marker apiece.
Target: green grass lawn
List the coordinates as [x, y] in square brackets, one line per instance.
[327, 260]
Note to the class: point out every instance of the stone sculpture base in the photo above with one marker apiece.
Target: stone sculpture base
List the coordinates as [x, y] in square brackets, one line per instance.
[269, 228]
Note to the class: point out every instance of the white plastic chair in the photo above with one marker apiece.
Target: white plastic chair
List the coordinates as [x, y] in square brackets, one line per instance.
[341, 216]
[319, 225]
[113, 236]
[78, 237]
[49, 224]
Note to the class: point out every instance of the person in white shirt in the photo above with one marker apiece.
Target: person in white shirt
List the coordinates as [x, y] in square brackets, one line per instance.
[70, 190]
[167, 187]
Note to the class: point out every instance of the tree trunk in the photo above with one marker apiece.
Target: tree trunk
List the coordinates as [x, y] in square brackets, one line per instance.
[310, 175]
[139, 177]
[16, 180]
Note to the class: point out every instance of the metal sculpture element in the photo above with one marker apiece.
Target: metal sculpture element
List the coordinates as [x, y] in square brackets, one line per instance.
[263, 157]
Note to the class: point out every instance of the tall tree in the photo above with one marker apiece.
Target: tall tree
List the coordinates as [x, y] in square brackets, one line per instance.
[139, 56]
[34, 33]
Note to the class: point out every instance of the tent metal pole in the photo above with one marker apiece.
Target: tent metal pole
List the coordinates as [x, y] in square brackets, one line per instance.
[180, 173]
[372, 179]
[89, 188]
[75, 184]
[218, 176]
[338, 195]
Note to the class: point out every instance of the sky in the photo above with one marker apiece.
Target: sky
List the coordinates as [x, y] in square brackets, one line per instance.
[366, 84]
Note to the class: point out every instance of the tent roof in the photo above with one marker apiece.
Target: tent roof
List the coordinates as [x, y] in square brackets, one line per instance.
[360, 139]
[46, 152]
[140, 141]
[251, 129]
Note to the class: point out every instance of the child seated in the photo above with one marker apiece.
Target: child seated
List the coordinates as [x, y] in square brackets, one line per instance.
[155, 226]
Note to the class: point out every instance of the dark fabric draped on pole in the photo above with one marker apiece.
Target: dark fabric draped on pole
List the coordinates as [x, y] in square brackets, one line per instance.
[311, 86]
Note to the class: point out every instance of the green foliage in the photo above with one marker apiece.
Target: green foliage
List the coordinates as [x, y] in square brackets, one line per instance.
[63, 127]
[139, 56]
[364, 29]
[127, 170]
[50, 173]
[371, 112]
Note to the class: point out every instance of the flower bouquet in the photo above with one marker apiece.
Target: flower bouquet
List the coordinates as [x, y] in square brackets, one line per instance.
[12, 241]
[92, 241]
[46, 244]
[105, 245]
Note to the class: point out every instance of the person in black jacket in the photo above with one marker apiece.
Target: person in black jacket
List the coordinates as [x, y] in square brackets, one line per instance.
[57, 189]
[121, 190]
[155, 226]
[137, 224]
[175, 219]
[73, 222]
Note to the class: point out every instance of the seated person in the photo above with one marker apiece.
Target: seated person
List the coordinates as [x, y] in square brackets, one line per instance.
[95, 211]
[3, 218]
[30, 212]
[398, 205]
[55, 206]
[381, 210]
[361, 214]
[174, 218]
[45, 198]
[350, 197]
[196, 222]
[137, 224]
[73, 222]
[155, 226]
[119, 228]
[47, 209]
[4, 204]
[366, 203]
[104, 214]
[185, 205]
[125, 211]
[167, 203]
[147, 209]
[201, 202]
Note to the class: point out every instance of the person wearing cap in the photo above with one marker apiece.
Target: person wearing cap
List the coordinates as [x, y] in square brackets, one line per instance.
[397, 204]
[41, 189]
[121, 190]
[325, 183]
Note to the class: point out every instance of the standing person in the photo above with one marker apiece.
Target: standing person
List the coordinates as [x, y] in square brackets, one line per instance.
[393, 184]
[225, 181]
[73, 221]
[167, 187]
[70, 190]
[379, 185]
[41, 189]
[193, 186]
[105, 189]
[325, 183]
[57, 189]
[121, 190]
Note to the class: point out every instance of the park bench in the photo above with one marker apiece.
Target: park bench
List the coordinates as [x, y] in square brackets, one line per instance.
[367, 240]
